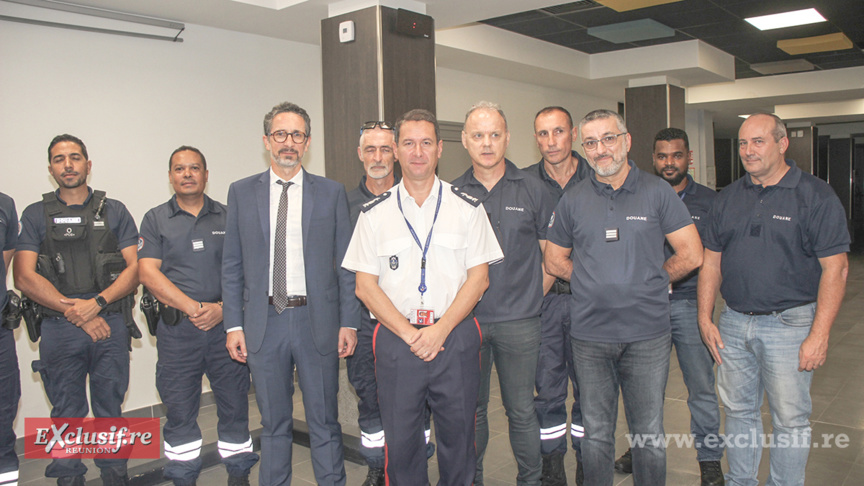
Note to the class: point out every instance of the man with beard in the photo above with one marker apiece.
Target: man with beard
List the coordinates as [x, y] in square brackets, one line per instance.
[560, 169]
[607, 237]
[672, 156]
[285, 237]
[777, 240]
[70, 244]
[179, 261]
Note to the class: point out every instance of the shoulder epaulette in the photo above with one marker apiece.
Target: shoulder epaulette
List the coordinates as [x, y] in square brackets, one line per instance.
[466, 197]
[374, 202]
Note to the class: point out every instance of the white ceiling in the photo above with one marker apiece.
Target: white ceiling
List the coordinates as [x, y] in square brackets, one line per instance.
[466, 46]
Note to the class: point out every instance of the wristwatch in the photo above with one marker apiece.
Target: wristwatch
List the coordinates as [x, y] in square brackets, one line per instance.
[100, 301]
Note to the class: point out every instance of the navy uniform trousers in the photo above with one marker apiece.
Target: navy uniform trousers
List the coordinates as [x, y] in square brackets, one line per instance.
[554, 367]
[67, 355]
[361, 374]
[10, 392]
[186, 353]
[449, 384]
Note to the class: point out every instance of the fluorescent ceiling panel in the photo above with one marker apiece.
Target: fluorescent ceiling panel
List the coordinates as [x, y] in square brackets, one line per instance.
[782, 67]
[786, 19]
[626, 5]
[637, 30]
[271, 4]
[820, 43]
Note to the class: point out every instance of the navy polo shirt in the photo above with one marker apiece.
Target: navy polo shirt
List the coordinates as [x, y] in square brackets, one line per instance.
[8, 238]
[771, 239]
[619, 288]
[33, 230]
[190, 247]
[518, 208]
[698, 200]
[583, 171]
[358, 197]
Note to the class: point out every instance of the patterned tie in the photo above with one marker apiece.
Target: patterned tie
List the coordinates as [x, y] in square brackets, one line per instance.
[280, 292]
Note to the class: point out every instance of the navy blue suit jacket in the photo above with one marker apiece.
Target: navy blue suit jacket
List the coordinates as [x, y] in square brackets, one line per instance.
[246, 259]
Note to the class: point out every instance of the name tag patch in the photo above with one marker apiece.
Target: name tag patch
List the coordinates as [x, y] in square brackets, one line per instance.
[198, 245]
[69, 220]
[611, 234]
[394, 262]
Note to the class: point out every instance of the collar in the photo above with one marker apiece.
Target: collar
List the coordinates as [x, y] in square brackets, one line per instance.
[583, 170]
[365, 190]
[690, 188]
[86, 201]
[208, 207]
[789, 180]
[630, 183]
[403, 191]
[297, 179]
[511, 173]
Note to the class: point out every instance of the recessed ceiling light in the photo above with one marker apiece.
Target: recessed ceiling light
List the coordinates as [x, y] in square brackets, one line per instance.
[787, 19]
[272, 4]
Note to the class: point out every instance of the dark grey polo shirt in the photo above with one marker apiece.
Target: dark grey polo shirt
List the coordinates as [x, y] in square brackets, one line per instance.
[190, 247]
[8, 238]
[358, 197]
[698, 200]
[619, 288]
[771, 239]
[583, 171]
[518, 208]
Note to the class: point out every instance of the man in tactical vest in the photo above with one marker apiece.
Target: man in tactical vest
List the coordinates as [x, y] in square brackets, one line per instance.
[180, 253]
[10, 382]
[76, 260]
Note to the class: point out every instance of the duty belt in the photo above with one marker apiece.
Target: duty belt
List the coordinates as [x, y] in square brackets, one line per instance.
[293, 301]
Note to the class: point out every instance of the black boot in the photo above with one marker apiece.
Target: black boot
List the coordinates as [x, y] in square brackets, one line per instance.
[624, 464]
[553, 470]
[70, 481]
[375, 477]
[712, 474]
[111, 477]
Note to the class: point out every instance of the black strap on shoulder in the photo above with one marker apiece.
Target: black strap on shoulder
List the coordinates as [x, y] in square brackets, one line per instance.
[51, 204]
[374, 202]
[466, 197]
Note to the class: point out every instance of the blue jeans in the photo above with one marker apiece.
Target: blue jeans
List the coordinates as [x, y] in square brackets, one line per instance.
[697, 366]
[513, 346]
[761, 354]
[640, 370]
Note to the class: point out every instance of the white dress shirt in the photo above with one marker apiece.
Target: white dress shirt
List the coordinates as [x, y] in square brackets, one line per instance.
[295, 272]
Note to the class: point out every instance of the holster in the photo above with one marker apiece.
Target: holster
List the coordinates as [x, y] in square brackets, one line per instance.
[150, 308]
[32, 314]
[12, 311]
[170, 315]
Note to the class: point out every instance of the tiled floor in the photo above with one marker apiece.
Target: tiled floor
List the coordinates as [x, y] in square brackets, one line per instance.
[838, 408]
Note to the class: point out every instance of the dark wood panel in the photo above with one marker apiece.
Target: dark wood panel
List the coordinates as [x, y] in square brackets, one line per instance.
[801, 148]
[350, 79]
[409, 69]
[647, 111]
[840, 171]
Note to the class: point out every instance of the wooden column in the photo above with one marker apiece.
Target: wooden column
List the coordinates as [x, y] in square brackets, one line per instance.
[647, 110]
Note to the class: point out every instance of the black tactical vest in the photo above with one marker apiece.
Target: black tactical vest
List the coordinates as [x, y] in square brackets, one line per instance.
[79, 254]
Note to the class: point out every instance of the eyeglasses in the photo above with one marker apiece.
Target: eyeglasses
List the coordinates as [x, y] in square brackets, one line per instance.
[609, 141]
[370, 125]
[281, 136]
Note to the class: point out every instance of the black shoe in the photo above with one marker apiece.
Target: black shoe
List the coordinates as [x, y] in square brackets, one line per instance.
[553, 470]
[71, 481]
[238, 480]
[624, 464]
[375, 477]
[712, 474]
[111, 477]
[580, 474]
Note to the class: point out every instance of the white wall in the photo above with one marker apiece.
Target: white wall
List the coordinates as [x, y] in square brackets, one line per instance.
[457, 91]
[133, 101]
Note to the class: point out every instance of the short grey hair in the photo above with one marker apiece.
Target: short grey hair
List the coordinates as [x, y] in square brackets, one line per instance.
[485, 105]
[602, 115]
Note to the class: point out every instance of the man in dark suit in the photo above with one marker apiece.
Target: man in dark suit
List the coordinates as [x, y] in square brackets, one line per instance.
[286, 300]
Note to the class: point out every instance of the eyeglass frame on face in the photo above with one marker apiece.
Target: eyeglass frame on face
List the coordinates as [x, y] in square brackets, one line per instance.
[294, 135]
[609, 141]
[371, 124]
